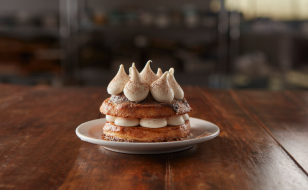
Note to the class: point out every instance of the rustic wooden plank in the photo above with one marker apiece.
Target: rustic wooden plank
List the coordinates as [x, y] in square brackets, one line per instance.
[287, 123]
[243, 156]
[300, 97]
[110, 170]
[11, 93]
[8, 90]
[37, 121]
[270, 103]
[39, 148]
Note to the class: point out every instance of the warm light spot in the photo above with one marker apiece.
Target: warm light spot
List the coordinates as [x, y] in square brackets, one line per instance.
[275, 9]
[215, 6]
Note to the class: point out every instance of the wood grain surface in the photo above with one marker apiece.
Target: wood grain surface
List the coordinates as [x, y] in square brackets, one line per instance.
[7, 90]
[285, 116]
[262, 144]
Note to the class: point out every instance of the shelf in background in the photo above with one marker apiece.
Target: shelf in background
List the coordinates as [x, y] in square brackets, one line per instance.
[29, 32]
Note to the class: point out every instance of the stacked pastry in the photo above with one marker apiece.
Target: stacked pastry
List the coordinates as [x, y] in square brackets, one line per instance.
[145, 107]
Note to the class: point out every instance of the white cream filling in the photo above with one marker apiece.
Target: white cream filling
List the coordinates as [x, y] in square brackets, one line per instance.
[153, 122]
[148, 122]
[175, 120]
[110, 118]
[126, 122]
[185, 117]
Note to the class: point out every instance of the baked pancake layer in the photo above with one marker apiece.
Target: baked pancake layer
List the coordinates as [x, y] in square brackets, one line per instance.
[120, 106]
[142, 134]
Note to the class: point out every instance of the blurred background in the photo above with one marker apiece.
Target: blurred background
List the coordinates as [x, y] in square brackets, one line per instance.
[210, 43]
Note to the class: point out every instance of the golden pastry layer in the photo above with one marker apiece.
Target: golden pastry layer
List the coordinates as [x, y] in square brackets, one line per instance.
[120, 106]
[143, 134]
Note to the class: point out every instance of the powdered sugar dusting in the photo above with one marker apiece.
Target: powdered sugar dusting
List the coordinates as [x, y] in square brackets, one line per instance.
[178, 91]
[147, 75]
[135, 89]
[117, 84]
[159, 72]
[161, 89]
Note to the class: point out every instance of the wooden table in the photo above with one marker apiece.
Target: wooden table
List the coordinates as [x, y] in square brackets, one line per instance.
[263, 143]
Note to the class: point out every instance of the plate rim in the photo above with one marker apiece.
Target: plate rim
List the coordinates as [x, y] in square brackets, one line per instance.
[115, 143]
[150, 152]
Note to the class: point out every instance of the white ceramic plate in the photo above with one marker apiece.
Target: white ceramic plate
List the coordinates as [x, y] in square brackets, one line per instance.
[201, 131]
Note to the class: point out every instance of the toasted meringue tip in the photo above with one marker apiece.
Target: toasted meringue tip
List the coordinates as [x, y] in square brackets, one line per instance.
[134, 73]
[171, 71]
[130, 69]
[121, 69]
[147, 65]
[165, 75]
[159, 72]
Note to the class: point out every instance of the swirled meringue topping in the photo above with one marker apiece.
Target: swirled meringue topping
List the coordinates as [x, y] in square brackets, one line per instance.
[175, 120]
[161, 89]
[117, 84]
[153, 122]
[147, 75]
[135, 90]
[136, 86]
[159, 72]
[126, 122]
[178, 91]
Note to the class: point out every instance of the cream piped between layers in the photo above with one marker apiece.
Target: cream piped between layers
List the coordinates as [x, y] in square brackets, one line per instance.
[127, 122]
[148, 122]
[175, 120]
[136, 87]
[186, 116]
[153, 122]
[110, 118]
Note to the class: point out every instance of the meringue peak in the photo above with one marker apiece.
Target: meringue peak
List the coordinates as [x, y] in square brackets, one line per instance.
[159, 72]
[135, 75]
[117, 84]
[171, 70]
[178, 91]
[161, 89]
[135, 90]
[130, 72]
[147, 75]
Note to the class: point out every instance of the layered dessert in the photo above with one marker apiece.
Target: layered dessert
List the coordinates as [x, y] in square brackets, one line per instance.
[145, 107]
